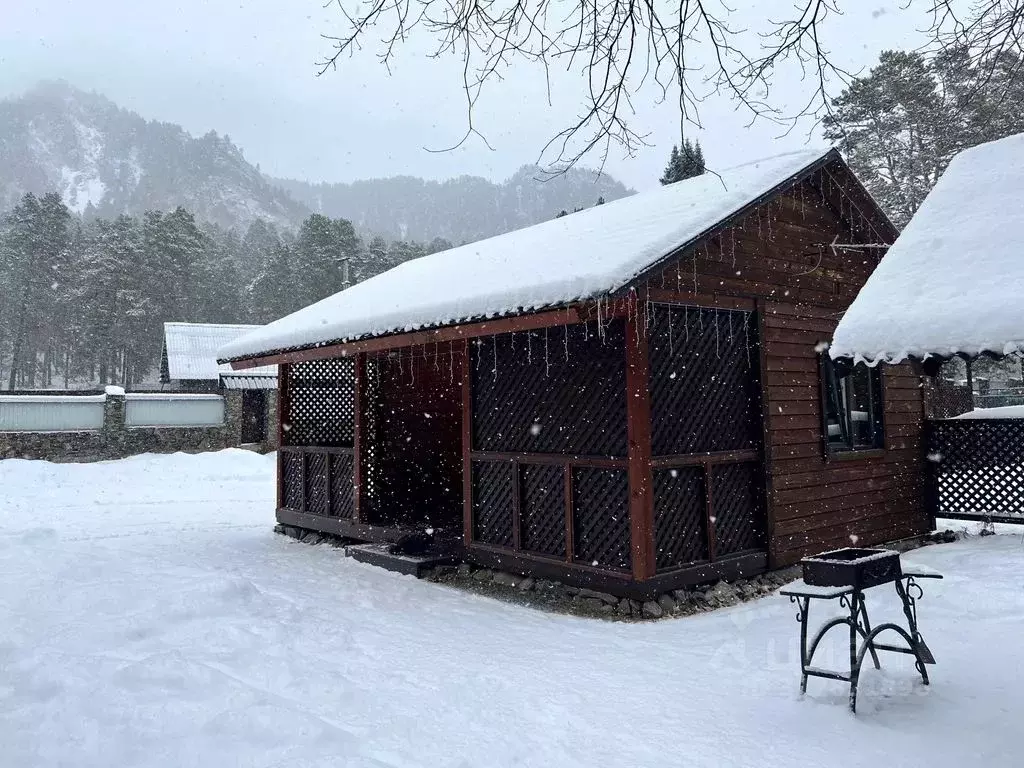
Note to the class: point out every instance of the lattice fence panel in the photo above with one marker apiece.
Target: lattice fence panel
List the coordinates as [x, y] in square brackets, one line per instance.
[343, 495]
[737, 495]
[492, 502]
[369, 445]
[291, 478]
[977, 468]
[601, 518]
[321, 403]
[542, 509]
[316, 483]
[559, 390]
[703, 380]
[680, 517]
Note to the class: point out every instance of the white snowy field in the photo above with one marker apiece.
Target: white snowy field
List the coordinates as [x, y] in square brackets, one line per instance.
[150, 617]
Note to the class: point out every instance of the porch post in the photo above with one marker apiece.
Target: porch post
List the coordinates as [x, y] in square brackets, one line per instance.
[638, 432]
[467, 446]
[283, 396]
[357, 437]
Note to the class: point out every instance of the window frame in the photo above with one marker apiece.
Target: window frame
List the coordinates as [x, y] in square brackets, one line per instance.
[830, 381]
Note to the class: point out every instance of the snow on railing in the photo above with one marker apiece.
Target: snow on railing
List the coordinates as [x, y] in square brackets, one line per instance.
[173, 410]
[51, 413]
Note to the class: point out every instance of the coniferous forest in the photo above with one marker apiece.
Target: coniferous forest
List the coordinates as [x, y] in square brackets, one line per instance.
[86, 299]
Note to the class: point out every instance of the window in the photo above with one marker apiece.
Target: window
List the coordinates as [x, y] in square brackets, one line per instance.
[852, 406]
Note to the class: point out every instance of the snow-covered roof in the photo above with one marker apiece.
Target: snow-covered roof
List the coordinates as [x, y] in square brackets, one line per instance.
[583, 255]
[951, 284]
[191, 350]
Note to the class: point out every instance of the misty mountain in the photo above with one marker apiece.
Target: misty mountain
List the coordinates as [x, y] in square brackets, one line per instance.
[462, 209]
[104, 160]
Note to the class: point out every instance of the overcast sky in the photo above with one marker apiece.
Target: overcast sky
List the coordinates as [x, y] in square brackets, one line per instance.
[247, 68]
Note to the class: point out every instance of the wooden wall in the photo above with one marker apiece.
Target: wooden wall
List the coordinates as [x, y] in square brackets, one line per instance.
[780, 255]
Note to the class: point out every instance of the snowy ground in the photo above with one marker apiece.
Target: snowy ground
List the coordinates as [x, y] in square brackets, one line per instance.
[149, 617]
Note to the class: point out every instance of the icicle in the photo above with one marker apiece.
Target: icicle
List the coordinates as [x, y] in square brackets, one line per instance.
[547, 357]
[451, 362]
[770, 235]
[529, 347]
[512, 342]
[686, 321]
[476, 343]
[437, 352]
[746, 335]
[565, 336]
[729, 315]
[679, 275]
[694, 271]
[717, 350]
[671, 312]
[733, 230]
[758, 212]
[494, 370]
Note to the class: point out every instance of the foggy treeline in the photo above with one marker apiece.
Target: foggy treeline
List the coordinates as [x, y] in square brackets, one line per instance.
[84, 301]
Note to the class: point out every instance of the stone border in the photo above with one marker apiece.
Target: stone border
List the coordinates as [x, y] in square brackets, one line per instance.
[555, 597]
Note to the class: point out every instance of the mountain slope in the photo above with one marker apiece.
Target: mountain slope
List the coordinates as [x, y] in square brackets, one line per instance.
[462, 209]
[106, 160]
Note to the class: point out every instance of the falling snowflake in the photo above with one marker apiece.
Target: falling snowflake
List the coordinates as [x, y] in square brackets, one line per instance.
[821, 346]
[712, 518]
[935, 456]
[286, 427]
[595, 563]
[535, 429]
[674, 472]
[428, 415]
[429, 531]
[854, 538]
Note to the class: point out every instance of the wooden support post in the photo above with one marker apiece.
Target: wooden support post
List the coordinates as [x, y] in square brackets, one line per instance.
[570, 540]
[638, 428]
[467, 447]
[358, 403]
[282, 414]
[709, 511]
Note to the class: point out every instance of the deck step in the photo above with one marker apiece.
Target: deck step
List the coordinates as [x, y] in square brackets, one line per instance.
[409, 565]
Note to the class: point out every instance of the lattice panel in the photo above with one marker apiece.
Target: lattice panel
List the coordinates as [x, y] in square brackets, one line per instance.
[560, 390]
[343, 495]
[542, 509]
[977, 467]
[737, 495]
[601, 518]
[703, 381]
[316, 483]
[321, 403]
[680, 517]
[369, 445]
[291, 478]
[492, 503]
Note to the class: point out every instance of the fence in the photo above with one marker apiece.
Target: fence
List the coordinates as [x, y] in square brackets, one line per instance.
[976, 469]
[173, 410]
[49, 413]
[91, 427]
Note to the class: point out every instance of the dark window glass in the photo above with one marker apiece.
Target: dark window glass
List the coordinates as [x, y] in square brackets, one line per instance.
[853, 406]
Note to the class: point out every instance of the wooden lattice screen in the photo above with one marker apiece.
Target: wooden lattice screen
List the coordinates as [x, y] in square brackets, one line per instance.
[316, 463]
[976, 469]
[705, 435]
[549, 444]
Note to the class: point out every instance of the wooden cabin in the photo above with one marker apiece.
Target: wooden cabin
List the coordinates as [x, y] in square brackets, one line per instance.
[632, 398]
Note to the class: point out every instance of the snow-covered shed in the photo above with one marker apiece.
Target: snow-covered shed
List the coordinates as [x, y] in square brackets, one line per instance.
[189, 358]
[951, 283]
[631, 398]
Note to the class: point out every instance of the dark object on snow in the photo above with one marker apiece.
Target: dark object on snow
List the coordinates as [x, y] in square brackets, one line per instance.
[851, 567]
[412, 544]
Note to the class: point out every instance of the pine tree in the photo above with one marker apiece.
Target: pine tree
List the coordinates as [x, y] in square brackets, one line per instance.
[684, 164]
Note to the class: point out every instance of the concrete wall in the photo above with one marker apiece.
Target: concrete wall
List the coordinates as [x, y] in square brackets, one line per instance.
[116, 440]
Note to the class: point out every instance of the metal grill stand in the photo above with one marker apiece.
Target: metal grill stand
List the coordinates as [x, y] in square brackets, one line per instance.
[862, 635]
